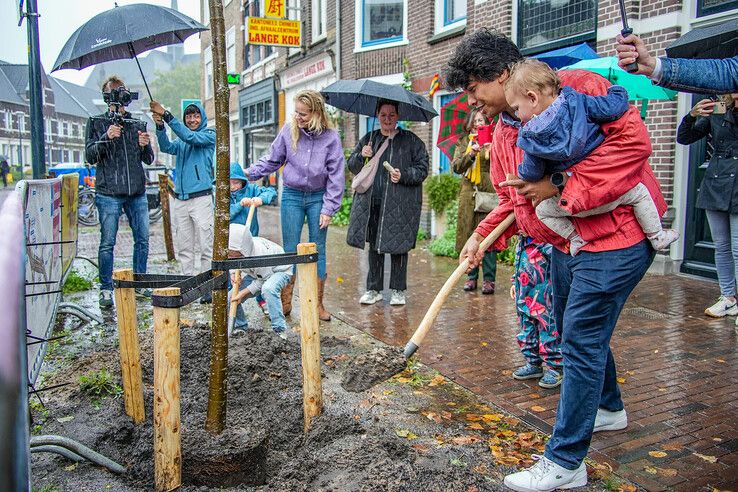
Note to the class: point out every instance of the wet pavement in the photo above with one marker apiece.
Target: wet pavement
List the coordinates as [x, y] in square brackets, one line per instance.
[677, 367]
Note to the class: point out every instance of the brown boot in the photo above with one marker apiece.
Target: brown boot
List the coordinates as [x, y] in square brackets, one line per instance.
[286, 296]
[323, 314]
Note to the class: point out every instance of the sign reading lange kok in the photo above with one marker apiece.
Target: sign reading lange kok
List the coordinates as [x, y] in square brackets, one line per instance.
[274, 32]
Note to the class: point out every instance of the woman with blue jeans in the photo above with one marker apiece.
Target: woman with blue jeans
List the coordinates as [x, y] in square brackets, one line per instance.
[313, 179]
[718, 193]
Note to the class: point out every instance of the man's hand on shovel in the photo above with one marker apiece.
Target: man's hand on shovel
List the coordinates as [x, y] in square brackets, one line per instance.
[536, 192]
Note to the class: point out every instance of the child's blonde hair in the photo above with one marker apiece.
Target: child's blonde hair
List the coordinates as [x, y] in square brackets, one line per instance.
[532, 75]
[319, 120]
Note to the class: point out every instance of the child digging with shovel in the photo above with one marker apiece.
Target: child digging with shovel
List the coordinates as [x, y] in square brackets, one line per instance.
[268, 280]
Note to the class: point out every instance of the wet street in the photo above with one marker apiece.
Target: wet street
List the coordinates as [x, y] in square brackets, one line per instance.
[677, 367]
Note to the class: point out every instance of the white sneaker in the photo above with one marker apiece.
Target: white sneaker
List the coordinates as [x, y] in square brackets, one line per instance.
[610, 421]
[546, 476]
[370, 297]
[722, 307]
[663, 239]
[398, 298]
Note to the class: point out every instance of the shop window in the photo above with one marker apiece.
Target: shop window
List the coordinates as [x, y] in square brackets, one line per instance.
[380, 22]
[548, 24]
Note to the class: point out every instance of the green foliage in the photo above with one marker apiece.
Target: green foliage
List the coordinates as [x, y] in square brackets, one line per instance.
[420, 236]
[442, 189]
[182, 82]
[446, 244]
[508, 256]
[46, 488]
[37, 407]
[99, 385]
[342, 216]
[76, 282]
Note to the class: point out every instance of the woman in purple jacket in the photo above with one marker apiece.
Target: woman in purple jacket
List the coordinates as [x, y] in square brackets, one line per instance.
[313, 179]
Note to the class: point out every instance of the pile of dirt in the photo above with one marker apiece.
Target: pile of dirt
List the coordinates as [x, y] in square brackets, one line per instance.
[352, 446]
[373, 367]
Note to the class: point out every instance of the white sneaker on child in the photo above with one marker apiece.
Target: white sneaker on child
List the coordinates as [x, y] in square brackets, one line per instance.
[663, 239]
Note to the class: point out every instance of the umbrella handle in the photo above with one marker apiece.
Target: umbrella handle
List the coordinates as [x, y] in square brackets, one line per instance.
[130, 46]
[630, 67]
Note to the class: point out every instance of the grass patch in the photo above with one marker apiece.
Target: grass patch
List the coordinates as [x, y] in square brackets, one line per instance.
[99, 385]
[76, 282]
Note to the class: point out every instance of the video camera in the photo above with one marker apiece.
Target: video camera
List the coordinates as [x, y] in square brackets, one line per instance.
[120, 96]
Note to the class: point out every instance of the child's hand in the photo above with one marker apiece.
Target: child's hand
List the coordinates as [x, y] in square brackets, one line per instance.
[512, 292]
[257, 202]
[246, 202]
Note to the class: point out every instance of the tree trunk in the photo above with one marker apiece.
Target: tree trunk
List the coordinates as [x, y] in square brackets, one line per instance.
[218, 387]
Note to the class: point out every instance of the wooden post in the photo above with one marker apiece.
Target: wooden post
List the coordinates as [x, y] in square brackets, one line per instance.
[312, 388]
[130, 356]
[166, 216]
[167, 426]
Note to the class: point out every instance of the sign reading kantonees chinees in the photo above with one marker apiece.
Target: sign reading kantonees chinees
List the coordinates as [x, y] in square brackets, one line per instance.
[274, 8]
[274, 32]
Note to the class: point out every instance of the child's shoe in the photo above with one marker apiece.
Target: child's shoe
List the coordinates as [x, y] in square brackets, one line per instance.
[723, 307]
[551, 379]
[470, 285]
[488, 287]
[663, 239]
[528, 371]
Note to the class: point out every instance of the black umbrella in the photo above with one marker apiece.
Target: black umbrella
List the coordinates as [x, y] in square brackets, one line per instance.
[124, 32]
[718, 41]
[361, 96]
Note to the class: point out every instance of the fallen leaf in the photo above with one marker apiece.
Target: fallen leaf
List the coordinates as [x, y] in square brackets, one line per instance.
[656, 351]
[536, 408]
[473, 488]
[482, 469]
[473, 417]
[403, 379]
[663, 390]
[672, 446]
[667, 472]
[433, 416]
[71, 467]
[721, 361]
[505, 434]
[657, 454]
[357, 417]
[405, 433]
[506, 372]
[621, 380]
[446, 415]
[651, 470]
[65, 419]
[420, 448]
[484, 344]
[511, 421]
[463, 440]
[451, 404]
[492, 417]
[526, 436]
[437, 381]
[475, 426]
[339, 280]
[387, 392]
[717, 439]
[626, 487]
[534, 396]
[705, 457]
[329, 362]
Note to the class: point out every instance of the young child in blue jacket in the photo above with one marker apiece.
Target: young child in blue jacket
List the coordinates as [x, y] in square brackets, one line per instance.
[243, 195]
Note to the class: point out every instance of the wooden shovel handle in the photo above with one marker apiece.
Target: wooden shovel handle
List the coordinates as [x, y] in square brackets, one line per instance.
[237, 280]
[250, 216]
[435, 307]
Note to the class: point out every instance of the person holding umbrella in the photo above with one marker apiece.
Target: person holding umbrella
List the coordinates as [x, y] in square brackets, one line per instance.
[118, 144]
[310, 151]
[389, 167]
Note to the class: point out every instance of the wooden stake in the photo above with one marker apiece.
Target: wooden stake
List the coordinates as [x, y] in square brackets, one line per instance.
[167, 426]
[130, 355]
[166, 215]
[312, 388]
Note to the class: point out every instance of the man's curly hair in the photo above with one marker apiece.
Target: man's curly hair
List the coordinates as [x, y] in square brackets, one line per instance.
[481, 56]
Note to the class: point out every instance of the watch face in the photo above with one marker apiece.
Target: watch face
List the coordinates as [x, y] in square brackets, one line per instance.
[557, 179]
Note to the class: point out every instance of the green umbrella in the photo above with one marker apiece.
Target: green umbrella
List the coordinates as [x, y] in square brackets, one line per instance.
[639, 87]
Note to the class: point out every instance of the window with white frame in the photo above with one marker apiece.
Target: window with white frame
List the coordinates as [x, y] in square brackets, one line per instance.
[205, 12]
[450, 14]
[65, 128]
[3, 120]
[231, 50]
[707, 7]
[255, 53]
[547, 24]
[21, 122]
[208, 72]
[380, 22]
[319, 19]
[235, 141]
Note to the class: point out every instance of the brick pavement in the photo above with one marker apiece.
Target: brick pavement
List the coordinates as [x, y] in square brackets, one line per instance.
[677, 366]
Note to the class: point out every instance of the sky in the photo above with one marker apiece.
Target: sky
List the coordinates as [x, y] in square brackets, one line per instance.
[58, 20]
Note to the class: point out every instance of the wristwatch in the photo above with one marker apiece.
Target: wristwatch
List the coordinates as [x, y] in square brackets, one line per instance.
[558, 180]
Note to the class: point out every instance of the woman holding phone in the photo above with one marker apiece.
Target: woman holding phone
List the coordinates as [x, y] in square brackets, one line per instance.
[718, 192]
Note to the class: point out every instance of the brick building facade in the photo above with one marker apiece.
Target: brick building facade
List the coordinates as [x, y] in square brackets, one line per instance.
[398, 41]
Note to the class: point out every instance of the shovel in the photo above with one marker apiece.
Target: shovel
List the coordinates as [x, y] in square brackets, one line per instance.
[430, 316]
[237, 282]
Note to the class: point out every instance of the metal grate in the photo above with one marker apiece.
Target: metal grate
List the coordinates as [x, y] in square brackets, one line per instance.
[544, 22]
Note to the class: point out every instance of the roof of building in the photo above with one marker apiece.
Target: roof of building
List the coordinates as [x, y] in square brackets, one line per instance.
[127, 70]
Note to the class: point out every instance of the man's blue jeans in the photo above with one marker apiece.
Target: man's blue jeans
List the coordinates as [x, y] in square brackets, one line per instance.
[109, 209]
[296, 206]
[271, 290]
[590, 290]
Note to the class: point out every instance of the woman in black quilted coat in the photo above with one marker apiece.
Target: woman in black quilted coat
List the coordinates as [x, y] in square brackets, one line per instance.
[387, 214]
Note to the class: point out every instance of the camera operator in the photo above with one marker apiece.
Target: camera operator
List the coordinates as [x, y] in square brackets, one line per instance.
[192, 205]
[118, 144]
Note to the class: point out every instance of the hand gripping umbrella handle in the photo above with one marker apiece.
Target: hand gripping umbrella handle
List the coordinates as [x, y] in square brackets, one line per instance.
[432, 313]
[626, 31]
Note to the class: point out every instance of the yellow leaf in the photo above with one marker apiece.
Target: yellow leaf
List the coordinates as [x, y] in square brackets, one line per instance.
[626, 487]
[473, 417]
[462, 440]
[621, 380]
[651, 470]
[484, 344]
[536, 408]
[711, 459]
[721, 361]
[437, 380]
[405, 433]
[492, 417]
[657, 454]
[534, 395]
[451, 404]
[667, 472]
[71, 467]
[476, 426]
[403, 380]
[387, 392]
[339, 280]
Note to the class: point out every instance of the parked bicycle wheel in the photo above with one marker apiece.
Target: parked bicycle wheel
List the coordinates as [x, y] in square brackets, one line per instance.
[86, 209]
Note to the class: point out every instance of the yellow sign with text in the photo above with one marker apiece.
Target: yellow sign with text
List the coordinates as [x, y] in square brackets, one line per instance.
[274, 8]
[274, 32]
